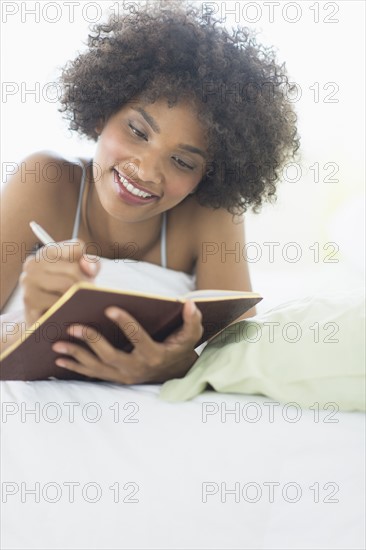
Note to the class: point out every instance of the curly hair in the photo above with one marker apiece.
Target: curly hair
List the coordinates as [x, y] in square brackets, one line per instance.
[166, 51]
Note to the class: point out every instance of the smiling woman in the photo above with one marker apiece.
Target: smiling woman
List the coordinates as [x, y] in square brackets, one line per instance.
[178, 157]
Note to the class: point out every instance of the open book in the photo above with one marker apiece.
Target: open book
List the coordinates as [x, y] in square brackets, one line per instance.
[32, 358]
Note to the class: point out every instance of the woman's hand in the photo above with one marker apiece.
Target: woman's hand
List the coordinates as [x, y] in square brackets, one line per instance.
[50, 272]
[149, 361]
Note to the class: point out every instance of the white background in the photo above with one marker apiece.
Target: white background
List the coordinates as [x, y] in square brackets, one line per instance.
[321, 43]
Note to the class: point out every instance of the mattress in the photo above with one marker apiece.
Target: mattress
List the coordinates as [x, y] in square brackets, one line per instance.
[98, 465]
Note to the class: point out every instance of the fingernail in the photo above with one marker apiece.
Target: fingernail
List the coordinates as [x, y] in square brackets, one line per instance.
[91, 260]
[75, 330]
[92, 266]
[112, 313]
[193, 308]
[59, 348]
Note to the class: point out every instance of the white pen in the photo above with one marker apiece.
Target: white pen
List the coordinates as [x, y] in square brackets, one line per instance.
[39, 232]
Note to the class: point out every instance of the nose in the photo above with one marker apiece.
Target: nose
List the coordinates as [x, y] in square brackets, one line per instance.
[146, 167]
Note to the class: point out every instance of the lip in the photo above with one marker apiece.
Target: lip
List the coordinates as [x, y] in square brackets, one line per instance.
[128, 197]
[135, 184]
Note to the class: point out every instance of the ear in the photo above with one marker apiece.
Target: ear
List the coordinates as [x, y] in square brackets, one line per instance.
[99, 127]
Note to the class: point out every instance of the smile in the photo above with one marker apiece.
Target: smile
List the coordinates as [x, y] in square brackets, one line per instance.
[132, 188]
[131, 194]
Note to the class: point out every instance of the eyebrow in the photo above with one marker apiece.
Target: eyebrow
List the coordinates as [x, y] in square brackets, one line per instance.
[192, 149]
[149, 119]
[152, 122]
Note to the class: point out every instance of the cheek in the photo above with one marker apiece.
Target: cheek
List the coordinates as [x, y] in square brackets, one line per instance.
[180, 186]
[112, 145]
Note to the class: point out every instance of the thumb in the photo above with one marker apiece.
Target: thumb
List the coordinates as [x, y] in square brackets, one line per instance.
[90, 265]
[192, 329]
[192, 318]
[190, 310]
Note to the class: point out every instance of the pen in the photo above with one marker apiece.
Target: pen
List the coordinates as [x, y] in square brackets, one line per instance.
[39, 232]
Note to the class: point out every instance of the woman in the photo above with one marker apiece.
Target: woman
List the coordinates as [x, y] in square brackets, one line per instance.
[192, 127]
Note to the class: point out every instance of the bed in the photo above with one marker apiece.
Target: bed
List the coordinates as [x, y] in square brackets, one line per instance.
[89, 465]
[99, 466]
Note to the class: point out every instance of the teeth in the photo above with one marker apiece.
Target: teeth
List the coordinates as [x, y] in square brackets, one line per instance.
[131, 188]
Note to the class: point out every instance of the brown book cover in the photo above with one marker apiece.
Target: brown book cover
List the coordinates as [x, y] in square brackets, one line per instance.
[32, 358]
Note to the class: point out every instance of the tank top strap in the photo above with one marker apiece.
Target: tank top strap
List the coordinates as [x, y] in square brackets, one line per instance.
[163, 241]
[75, 230]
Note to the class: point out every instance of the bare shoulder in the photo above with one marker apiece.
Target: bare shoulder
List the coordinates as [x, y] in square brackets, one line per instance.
[41, 189]
[208, 224]
[50, 182]
[218, 243]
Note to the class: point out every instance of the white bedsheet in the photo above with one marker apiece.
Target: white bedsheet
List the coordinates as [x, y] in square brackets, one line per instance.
[166, 453]
[164, 459]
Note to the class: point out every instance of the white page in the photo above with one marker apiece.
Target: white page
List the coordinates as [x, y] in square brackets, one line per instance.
[211, 293]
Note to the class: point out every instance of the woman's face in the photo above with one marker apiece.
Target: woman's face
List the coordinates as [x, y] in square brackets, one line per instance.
[150, 146]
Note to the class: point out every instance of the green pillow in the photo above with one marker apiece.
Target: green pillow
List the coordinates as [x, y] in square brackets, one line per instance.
[305, 351]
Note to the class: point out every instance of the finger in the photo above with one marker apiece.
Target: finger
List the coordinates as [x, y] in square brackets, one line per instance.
[144, 346]
[100, 373]
[192, 328]
[89, 262]
[90, 265]
[100, 345]
[52, 264]
[68, 250]
[79, 359]
[37, 300]
[72, 252]
[116, 365]
[57, 284]
[40, 294]
[86, 363]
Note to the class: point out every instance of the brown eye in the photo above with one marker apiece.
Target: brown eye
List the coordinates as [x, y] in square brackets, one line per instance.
[137, 132]
[182, 163]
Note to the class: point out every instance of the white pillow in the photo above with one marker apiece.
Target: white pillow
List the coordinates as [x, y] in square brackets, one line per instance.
[306, 351]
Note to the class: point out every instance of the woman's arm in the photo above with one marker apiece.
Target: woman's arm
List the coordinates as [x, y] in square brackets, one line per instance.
[221, 262]
[27, 195]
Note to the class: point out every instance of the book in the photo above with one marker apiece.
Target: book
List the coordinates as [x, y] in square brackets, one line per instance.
[31, 357]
